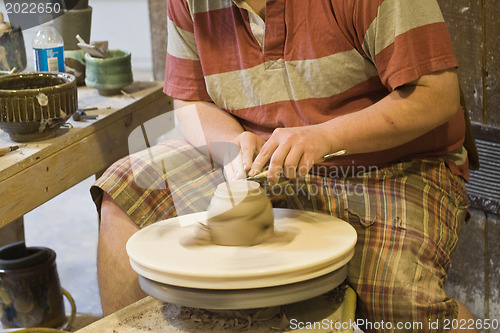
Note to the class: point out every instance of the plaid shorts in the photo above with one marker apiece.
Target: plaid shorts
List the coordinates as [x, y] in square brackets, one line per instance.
[407, 216]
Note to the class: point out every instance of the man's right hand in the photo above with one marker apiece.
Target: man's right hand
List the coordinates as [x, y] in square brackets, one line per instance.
[250, 145]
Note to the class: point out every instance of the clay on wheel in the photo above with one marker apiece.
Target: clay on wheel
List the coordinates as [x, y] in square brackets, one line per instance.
[240, 214]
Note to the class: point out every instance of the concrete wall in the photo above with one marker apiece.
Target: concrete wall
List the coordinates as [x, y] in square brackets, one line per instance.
[474, 26]
[474, 276]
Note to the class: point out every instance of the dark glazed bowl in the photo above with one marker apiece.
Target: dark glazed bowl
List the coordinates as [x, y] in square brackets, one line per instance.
[34, 105]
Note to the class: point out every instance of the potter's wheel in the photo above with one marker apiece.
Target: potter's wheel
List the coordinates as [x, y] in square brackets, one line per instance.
[305, 258]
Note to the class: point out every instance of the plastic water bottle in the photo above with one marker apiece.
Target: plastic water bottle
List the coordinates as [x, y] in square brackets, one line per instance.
[48, 46]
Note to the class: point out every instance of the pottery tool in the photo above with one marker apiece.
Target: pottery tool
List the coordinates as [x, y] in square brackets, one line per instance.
[96, 49]
[12, 71]
[80, 114]
[264, 173]
[6, 150]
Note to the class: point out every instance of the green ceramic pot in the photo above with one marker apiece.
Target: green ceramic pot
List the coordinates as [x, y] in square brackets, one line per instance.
[74, 22]
[109, 75]
[81, 4]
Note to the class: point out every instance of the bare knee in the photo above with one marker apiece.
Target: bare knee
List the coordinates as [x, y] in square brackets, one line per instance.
[112, 213]
[115, 229]
[118, 284]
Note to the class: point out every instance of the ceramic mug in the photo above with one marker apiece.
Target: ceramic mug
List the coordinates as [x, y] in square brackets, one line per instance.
[240, 214]
[30, 291]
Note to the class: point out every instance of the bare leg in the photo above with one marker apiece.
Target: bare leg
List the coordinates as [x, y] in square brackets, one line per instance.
[464, 317]
[118, 283]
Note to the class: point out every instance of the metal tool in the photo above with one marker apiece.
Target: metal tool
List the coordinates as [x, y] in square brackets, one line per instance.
[6, 150]
[264, 173]
[80, 114]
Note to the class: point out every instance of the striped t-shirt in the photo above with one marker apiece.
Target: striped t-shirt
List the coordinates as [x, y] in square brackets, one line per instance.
[308, 62]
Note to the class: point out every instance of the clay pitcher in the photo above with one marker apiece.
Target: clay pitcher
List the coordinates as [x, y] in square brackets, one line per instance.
[240, 214]
[30, 291]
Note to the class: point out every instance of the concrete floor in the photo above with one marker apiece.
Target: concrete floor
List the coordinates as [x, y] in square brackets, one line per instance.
[68, 224]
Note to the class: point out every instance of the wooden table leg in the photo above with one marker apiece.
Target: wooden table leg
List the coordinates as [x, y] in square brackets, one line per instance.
[12, 232]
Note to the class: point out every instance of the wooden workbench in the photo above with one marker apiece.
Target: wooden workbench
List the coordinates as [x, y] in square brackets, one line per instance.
[328, 313]
[34, 174]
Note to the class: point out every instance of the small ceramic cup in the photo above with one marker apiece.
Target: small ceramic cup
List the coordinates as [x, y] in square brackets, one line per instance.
[109, 75]
[240, 214]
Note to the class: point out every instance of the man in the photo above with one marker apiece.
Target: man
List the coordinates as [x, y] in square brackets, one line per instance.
[290, 82]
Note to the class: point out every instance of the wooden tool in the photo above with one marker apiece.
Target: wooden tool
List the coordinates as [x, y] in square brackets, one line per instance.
[96, 49]
[6, 150]
[263, 174]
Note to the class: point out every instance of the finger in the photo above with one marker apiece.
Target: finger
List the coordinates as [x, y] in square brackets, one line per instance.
[247, 155]
[292, 160]
[304, 166]
[263, 157]
[276, 164]
[250, 145]
[238, 168]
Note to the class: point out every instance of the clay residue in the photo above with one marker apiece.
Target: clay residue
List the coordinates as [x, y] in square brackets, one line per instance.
[42, 99]
[200, 237]
[166, 317]
[271, 319]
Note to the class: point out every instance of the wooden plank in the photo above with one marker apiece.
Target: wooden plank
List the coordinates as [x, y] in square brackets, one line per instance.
[141, 94]
[152, 315]
[13, 232]
[492, 44]
[93, 151]
[463, 18]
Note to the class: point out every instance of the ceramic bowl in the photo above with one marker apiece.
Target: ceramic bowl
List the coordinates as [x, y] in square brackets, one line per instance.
[34, 105]
[109, 75]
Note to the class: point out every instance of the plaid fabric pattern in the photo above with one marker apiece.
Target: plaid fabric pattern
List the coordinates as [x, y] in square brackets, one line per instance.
[169, 179]
[407, 216]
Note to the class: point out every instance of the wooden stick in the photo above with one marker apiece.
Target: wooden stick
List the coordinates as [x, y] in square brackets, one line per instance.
[264, 173]
[6, 150]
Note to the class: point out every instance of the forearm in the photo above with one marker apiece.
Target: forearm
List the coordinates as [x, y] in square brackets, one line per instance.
[402, 116]
[205, 123]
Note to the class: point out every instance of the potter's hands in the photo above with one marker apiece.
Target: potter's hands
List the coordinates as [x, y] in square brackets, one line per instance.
[292, 152]
[250, 145]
